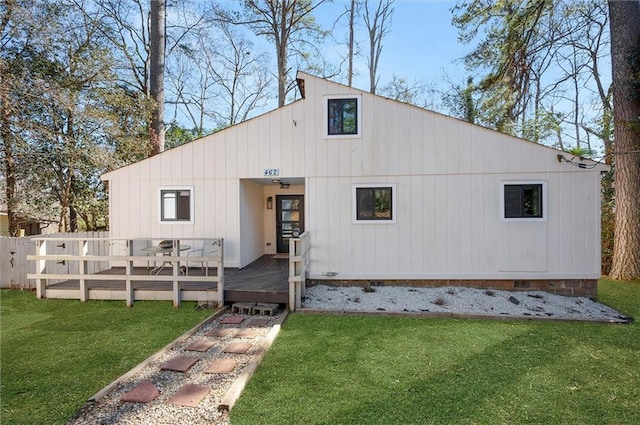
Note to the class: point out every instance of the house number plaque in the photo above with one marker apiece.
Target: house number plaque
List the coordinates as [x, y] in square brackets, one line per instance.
[271, 172]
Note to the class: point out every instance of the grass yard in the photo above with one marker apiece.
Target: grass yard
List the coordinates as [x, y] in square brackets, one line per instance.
[339, 369]
[55, 354]
[375, 370]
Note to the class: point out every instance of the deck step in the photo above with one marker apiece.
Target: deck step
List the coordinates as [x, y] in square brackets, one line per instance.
[242, 307]
[264, 308]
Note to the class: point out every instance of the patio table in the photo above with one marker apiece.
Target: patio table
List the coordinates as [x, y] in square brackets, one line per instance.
[165, 251]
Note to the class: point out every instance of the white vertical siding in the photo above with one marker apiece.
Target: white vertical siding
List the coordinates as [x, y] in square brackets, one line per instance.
[251, 224]
[447, 175]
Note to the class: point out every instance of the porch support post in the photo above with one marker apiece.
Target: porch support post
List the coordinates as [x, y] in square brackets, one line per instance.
[41, 284]
[83, 249]
[292, 295]
[292, 275]
[220, 274]
[175, 266]
[128, 270]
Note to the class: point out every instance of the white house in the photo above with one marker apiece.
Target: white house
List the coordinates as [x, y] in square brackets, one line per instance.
[388, 193]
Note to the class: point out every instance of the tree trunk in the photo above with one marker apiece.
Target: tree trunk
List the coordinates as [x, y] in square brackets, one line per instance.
[352, 13]
[156, 73]
[282, 40]
[8, 160]
[625, 61]
[378, 26]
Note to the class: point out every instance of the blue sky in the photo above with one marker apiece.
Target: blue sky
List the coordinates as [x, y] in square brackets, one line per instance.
[422, 44]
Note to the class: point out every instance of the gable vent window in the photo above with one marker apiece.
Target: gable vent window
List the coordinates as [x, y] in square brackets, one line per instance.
[525, 201]
[176, 205]
[342, 116]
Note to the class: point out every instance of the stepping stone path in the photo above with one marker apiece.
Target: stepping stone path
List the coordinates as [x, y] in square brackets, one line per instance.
[219, 333]
[248, 334]
[144, 392]
[222, 366]
[258, 323]
[187, 382]
[190, 395]
[201, 346]
[237, 348]
[180, 364]
[232, 320]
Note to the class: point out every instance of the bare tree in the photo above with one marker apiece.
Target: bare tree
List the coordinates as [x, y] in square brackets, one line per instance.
[220, 77]
[242, 78]
[625, 52]
[378, 24]
[127, 24]
[289, 24]
[417, 93]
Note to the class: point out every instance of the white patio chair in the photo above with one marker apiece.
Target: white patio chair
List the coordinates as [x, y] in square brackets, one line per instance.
[209, 248]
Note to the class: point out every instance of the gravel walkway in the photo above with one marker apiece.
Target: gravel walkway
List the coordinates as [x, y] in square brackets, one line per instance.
[109, 409]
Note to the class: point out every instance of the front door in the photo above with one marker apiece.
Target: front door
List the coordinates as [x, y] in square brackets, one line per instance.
[290, 219]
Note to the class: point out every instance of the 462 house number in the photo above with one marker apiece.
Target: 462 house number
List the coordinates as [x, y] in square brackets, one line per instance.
[271, 172]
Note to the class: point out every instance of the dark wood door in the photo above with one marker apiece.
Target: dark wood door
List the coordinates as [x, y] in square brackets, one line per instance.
[289, 219]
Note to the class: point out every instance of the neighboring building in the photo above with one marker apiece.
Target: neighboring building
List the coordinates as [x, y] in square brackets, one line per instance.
[388, 192]
[30, 227]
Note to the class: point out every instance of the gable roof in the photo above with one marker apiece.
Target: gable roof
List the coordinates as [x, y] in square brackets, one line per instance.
[331, 87]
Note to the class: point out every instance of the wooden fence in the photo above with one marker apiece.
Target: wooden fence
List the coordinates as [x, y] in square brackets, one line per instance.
[14, 266]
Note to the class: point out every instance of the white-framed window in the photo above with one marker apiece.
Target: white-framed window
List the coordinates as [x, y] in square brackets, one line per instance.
[523, 200]
[374, 203]
[343, 116]
[176, 204]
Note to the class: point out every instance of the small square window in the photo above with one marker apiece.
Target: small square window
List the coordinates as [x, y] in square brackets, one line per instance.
[342, 116]
[523, 200]
[374, 203]
[175, 205]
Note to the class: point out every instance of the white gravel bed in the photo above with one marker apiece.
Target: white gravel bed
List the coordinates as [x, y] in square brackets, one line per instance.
[110, 410]
[458, 300]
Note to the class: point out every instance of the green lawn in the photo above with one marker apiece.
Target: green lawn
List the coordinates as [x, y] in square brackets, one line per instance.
[375, 370]
[339, 369]
[55, 354]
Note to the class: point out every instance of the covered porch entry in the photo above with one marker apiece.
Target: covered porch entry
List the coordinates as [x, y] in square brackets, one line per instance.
[272, 211]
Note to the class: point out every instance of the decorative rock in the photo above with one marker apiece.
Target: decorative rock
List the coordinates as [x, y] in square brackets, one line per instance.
[514, 300]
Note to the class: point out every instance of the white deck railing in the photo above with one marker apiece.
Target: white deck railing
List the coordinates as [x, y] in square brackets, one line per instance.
[128, 253]
[298, 261]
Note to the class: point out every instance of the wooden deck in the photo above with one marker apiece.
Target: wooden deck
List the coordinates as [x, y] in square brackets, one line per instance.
[264, 280]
